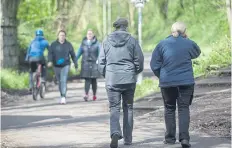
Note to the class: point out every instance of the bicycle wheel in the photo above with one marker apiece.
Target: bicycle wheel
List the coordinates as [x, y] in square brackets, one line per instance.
[35, 94]
[42, 90]
[35, 90]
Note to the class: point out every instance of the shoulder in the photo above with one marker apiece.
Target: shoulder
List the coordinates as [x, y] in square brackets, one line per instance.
[105, 44]
[53, 43]
[32, 41]
[191, 41]
[68, 43]
[44, 42]
[132, 40]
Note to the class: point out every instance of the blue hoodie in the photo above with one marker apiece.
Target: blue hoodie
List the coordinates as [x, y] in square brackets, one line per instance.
[36, 48]
[171, 61]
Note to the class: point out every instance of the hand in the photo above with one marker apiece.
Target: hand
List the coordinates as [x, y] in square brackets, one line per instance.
[49, 64]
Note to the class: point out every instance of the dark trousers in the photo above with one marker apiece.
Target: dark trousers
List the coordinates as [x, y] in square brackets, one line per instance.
[115, 94]
[183, 95]
[93, 82]
[62, 76]
[33, 68]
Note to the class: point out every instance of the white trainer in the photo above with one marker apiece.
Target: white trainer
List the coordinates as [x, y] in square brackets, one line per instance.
[62, 100]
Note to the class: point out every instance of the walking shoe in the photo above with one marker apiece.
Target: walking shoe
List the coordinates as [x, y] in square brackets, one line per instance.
[169, 142]
[185, 143]
[62, 100]
[86, 97]
[94, 98]
[114, 141]
[127, 143]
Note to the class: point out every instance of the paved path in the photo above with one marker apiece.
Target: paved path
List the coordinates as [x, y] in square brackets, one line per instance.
[46, 124]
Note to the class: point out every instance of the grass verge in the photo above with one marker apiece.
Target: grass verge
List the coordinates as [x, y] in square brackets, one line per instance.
[11, 79]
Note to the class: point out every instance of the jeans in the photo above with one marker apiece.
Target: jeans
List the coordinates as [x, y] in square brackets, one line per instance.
[115, 93]
[62, 76]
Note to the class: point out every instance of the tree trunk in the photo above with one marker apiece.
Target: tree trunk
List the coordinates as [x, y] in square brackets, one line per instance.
[194, 9]
[104, 18]
[131, 12]
[62, 19]
[76, 22]
[99, 23]
[182, 4]
[8, 33]
[229, 16]
[164, 8]
[109, 17]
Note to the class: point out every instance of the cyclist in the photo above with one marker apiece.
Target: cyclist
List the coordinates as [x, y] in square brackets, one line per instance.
[35, 55]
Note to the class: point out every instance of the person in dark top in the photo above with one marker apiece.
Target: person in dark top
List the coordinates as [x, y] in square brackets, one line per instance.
[120, 61]
[59, 56]
[172, 63]
[89, 50]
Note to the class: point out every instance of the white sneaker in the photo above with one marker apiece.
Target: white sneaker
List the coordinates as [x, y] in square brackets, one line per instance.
[62, 100]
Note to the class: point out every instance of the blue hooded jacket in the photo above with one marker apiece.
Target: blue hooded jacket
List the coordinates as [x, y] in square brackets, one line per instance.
[172, 61]
[36, 48]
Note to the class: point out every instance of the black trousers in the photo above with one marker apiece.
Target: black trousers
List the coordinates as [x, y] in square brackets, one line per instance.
[34, 65]
[93, 82]
[182, 95]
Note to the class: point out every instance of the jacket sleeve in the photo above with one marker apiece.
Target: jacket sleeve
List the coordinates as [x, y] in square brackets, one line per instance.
[73, 56]
[138, 58]
[99, 48]
[79, 53]
[156, 60]
[28, 52]
[195, 51]
[102, 60]
[50, 53]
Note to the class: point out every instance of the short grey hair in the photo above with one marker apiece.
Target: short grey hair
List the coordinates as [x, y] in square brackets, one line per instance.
[178, 28]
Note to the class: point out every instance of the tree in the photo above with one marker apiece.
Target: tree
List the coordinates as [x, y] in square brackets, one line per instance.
[229, 16]
[163, 7]
[8, 40]
[63, 7]
[182, 4]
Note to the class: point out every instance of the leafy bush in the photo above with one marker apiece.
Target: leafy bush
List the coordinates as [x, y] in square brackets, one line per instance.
[11, 79]
[220, 56]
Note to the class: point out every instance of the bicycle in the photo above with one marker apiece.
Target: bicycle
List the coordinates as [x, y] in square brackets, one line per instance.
[38, 86]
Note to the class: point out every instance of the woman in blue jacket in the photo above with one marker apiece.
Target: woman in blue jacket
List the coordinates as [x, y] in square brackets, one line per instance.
[171, 63]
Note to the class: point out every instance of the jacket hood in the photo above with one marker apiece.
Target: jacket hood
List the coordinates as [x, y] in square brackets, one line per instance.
[118, 38]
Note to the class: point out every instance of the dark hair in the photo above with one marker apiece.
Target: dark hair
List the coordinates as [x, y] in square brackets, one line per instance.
[61, 31]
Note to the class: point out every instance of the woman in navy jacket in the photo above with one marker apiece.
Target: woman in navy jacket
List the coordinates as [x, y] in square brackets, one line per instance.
[171, 63]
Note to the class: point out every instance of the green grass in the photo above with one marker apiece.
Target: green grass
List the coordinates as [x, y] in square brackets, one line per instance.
[11, 79]
[147, 86]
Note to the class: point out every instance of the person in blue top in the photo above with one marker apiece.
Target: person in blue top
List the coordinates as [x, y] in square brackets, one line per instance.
[89, 50]
[172, 63]
[35, 54]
